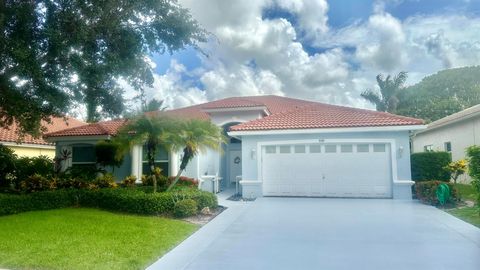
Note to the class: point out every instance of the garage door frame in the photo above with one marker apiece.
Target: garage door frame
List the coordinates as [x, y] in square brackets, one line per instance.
[391, 142]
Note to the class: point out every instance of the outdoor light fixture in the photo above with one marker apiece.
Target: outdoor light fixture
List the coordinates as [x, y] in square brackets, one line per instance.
[253, 153]
[400, 151]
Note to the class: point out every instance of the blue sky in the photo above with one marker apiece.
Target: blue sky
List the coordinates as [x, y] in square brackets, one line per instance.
[329, 51]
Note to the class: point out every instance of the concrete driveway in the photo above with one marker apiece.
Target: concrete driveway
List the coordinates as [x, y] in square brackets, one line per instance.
[314, 233]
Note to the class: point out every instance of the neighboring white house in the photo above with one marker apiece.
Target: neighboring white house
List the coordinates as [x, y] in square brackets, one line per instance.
[453, 134]
[281, 147]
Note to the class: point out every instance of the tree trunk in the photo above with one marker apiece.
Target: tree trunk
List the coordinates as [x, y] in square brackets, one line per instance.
[187, 156]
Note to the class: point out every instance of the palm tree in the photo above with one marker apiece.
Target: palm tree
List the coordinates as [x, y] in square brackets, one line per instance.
[387, 99]
[194, 136]
[152, 131]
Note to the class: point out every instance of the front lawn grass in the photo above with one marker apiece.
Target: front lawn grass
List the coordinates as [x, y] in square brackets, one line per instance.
[468, 214]
[466, 192]
[83, 238]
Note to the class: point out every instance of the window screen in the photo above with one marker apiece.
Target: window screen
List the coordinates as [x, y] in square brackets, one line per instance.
[299, 148]
[330, 148]
[346, 148]
[315, 148]
[362, 148]
[271, 149]
[379, 148]
[84, 154]
[285, 149]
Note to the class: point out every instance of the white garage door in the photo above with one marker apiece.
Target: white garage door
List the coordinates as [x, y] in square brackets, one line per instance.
[327, 170]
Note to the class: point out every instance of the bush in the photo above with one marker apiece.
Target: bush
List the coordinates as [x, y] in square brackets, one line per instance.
[183, 181]
[12, 204]
[426, 192]
[185, 208]
[128, 200]
[108, 153]
[105, 181]
[473, 153]
[129, 181]
[7, 165]
[28, 166]
[428, 166]
[36, 183]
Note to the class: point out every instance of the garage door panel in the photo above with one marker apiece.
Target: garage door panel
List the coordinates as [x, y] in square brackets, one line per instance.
[340, 174]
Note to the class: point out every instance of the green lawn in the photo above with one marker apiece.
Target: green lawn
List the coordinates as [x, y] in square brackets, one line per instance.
[468, 214]
[466, 192]
[82, 238]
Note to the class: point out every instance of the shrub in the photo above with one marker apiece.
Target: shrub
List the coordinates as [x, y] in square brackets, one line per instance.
[36, 183]
[185, 208]
[428, 166]
[12, 204]
[86, 173]
[184, 181]
[106, 180]
[7, 165]
[128, 200]
[28, 166]
[473, 153]
[129, 181]
[108, 154]
[426, 192]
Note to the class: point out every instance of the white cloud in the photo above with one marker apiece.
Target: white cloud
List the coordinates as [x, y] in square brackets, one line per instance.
[251, 55]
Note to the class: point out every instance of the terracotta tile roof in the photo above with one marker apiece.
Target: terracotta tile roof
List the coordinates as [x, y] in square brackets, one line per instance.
[110, 127]
[285, 113]
[10, 134]
[326, 116]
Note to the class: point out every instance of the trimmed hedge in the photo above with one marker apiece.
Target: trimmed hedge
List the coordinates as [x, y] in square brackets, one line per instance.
[427, 166]
[426, 192]
[45, 200]
[128, 200]
[185, 208]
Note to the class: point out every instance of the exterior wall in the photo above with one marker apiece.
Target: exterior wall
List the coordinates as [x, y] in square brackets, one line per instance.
[461, 135]
[401, 150]
[23, 151]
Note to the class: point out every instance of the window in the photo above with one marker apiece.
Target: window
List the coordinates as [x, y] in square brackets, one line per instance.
[271, 149]
[285, 149]
[161, 160]
[330, 148]
[83, 155]
[363, 148]
[448, 146]
[346, 148]
[315, 148]
[428, 148]
[299, 148]
[379, 148]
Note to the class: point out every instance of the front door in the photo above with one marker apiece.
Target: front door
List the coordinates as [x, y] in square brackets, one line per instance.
[235, 165]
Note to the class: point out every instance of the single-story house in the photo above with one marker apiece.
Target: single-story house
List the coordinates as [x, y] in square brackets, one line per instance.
[29, 146]
[281, 146]
[453, 134]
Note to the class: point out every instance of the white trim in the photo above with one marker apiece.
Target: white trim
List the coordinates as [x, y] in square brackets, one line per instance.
[325, 130]
[28, 145]
[393, 151]
[264, 109]
[78, 138]
[404, 183]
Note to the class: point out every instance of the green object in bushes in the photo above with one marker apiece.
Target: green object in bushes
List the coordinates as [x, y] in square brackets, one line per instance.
[427, 192]
[428, 166]
[443, 193]
[185, 208]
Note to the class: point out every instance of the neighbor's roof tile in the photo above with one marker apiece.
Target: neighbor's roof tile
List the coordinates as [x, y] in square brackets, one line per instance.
[10, 134]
